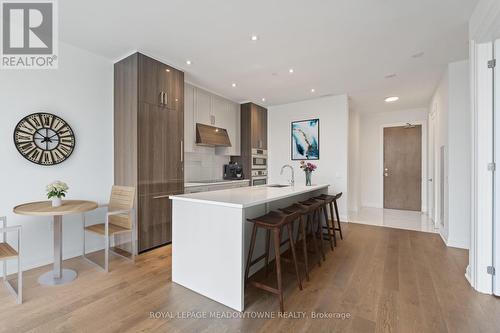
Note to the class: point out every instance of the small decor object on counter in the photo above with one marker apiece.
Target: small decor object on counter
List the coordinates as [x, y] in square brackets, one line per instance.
[56, 191]
[305, 140]
[308, 169]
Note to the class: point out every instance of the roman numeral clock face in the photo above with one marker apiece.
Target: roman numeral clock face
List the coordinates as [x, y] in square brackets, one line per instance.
[44, 139]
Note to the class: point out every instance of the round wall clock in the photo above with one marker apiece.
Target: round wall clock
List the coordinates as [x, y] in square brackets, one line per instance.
[44, 139]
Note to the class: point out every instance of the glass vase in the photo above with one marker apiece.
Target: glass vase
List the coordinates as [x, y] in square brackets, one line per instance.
[308, 178]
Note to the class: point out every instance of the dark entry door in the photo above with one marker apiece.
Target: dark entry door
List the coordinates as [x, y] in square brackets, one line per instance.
[403, 167]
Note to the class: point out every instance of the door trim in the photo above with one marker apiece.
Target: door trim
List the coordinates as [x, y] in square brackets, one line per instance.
[424, 184]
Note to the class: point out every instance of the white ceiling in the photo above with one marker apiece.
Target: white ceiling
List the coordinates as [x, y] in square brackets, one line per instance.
[335, 47]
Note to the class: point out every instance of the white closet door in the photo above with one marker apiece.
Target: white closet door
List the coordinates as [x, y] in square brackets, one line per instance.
[496, 176]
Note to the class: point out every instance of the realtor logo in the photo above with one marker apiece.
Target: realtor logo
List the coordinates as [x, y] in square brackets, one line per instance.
[29, 34]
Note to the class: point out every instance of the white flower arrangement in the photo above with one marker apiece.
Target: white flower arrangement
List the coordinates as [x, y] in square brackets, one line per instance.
[57, 189]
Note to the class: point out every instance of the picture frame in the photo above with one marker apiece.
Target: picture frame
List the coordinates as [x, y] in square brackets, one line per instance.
[305, 140]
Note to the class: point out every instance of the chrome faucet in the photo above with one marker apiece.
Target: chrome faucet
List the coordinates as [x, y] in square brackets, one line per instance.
[292, 181]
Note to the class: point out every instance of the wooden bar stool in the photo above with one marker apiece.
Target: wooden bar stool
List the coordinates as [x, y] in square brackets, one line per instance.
[303, 211]
[333, 205]
[273, 221]
[317, 207]
[330, 232]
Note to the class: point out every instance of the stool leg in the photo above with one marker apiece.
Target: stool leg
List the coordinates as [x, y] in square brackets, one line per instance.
[302, 227]
[338, 218]
[277, 242]
[294, 255]
[332, 216]
[268, 241]
[319, 232]
[250, 252]
[330, 238]
[310, 223]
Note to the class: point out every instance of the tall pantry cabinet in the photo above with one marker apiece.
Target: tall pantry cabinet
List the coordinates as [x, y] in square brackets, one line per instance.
[148, 141]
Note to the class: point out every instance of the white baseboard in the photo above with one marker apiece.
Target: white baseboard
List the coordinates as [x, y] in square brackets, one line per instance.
[445, 241]
[467, 274]
[456, 244]
[371, 205]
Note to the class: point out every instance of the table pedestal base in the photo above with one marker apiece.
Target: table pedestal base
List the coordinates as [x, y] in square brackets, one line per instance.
[49, 279]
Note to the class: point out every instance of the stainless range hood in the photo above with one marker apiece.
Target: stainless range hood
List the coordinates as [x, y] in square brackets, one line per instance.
[212, 136]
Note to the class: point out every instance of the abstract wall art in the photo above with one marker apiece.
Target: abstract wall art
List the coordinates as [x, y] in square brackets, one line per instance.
[305, 139]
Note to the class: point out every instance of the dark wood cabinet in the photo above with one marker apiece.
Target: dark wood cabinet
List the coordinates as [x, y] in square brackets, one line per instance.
[258, 125]
[149, 131]
[253, 134]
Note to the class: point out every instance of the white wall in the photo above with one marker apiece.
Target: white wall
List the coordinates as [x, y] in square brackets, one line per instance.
[354, 162]
[332, 166]
[371, 149]
[451, 119]
[459, 155]
[81, 92]
[439, 122]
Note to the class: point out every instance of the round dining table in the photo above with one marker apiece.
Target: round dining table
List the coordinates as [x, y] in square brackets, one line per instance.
[44, 208]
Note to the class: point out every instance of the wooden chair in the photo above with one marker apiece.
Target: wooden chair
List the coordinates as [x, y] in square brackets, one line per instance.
[120, 219]
[7, 252]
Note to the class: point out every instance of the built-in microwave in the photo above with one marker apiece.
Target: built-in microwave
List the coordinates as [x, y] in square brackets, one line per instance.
[259, 177]
[259, 158]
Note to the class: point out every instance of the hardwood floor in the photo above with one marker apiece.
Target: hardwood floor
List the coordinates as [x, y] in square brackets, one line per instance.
[384, 279]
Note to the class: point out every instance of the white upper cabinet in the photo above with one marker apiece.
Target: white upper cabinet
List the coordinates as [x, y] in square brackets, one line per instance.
[219, 111]
[203, 107]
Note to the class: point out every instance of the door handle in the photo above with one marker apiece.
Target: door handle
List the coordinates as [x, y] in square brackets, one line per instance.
[161, 97]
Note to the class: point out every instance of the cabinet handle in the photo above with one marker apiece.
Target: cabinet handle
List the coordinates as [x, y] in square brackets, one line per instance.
[161, 196]
[165, 98]
[161, 97]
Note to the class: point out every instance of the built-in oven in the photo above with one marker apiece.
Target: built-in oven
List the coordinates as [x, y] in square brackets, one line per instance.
[259, 158]
[259, 177]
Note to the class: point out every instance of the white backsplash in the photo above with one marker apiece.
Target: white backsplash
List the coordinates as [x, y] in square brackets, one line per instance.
[204, 165]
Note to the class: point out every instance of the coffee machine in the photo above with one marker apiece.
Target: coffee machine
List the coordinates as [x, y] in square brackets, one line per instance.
[233, 171]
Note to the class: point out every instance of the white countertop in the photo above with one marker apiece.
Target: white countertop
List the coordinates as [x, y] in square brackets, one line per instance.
[243, 197]
[225, 182]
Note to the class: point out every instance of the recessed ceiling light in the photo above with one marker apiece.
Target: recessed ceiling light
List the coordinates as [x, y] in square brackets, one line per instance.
[291, 71]
[390, 76]
[168, 70]
[313, 90]
[391, 99]
[263, 99]
[188, 62]
[418, 55]
[255, 38]
[233, 85]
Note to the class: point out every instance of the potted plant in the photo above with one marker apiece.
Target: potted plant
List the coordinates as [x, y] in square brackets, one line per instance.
[308, 169]
[56, 191]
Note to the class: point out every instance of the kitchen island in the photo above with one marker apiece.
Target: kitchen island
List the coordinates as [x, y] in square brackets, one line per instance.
[210, 236]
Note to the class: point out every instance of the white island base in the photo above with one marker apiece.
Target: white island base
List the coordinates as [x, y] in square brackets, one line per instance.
[210, 237]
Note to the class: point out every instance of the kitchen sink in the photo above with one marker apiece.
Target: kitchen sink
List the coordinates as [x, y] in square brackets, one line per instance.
[278, 185]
